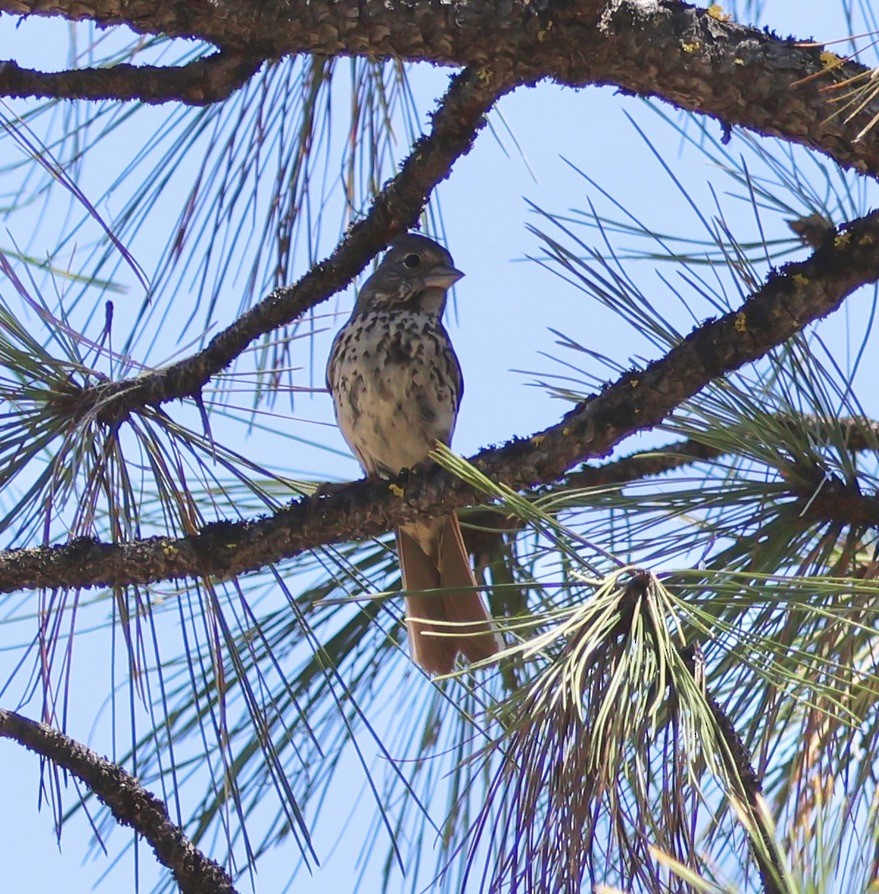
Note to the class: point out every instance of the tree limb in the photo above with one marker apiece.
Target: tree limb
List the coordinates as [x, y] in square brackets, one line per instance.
[687, 56]
[199, 82]
[739, 76]
[790, 299]
[822, 497]
[460, 116]
[130, 803]
[719, 68]
[859, 434]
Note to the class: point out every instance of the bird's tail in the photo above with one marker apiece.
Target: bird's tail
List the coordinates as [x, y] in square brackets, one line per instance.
[433, 557]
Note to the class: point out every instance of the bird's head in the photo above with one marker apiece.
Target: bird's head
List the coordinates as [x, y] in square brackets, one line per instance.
[415, 274]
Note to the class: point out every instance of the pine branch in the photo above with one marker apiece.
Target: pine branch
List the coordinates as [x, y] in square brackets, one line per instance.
[837, 502]
[856, 508]
[791, 298]
[822, 498]
[687, 56]
[739, 76]
[129, 802]
[200, 82]
[644, 464]
[460, 116]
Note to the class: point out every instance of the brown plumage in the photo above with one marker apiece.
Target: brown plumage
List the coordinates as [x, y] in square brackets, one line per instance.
[396, 386]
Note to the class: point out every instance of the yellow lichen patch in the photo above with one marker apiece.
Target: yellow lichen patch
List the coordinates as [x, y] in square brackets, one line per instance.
[829, 60]
[842, 240]
[741, 322]
[538, 439]
[801, 280]
[396, 490]
[716, 12]
[691, 46]
[169, 549]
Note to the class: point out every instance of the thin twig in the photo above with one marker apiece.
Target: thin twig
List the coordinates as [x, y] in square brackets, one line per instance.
[680, 454]
[200, 82]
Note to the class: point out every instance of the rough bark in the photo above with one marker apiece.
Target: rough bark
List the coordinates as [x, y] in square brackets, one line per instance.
[204, 81]
[789, 300]
[130, 803]
[455, 124]
[688, 56]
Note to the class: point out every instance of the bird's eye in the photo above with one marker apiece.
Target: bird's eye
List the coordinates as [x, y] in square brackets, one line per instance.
[412, 261]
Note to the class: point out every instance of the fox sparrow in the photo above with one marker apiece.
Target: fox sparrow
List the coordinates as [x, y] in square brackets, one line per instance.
[396, 386]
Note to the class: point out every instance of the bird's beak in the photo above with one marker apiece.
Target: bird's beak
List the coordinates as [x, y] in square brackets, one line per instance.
[443, 276]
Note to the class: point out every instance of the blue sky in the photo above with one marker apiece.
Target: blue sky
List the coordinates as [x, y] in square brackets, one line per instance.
[504, 310]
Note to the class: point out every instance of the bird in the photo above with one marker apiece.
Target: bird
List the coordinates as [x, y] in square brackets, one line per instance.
[396, 385]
